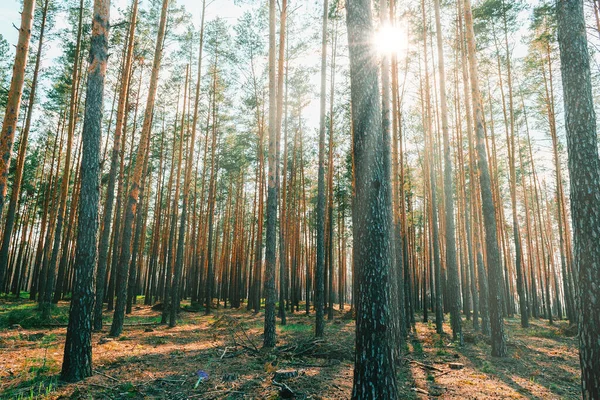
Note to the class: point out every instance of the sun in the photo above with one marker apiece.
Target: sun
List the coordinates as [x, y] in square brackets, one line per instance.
[389, 40]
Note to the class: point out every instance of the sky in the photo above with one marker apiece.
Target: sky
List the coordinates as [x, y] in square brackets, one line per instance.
[226, 9]
[10, 13]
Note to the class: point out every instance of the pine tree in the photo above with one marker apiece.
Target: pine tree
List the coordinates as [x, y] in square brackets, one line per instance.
[374, 371]
[77, 361]
[584, 171]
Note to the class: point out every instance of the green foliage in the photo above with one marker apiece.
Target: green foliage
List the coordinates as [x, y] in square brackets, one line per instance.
[493, 18]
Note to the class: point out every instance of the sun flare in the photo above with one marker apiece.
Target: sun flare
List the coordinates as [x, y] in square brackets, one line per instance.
[389, 39]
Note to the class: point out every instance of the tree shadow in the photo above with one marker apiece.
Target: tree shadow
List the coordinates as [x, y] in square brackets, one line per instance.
[525, 364]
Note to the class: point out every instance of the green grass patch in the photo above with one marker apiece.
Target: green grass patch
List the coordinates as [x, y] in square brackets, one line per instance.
[417, 347]
[296, 328]
[37, 388]
[26, 315]
[487, 368]
[441, 353]
[544, 333]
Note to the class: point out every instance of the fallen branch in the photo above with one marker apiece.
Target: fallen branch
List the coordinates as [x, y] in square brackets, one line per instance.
[66, 325]
[225, 391]
[444, 373]
[419, 390]
[428, 367]
[105, 375]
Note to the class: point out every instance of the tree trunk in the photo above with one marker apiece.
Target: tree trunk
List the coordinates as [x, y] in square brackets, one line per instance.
[374, 372]
[320, 267]
[495, 280]
[584, 171]
[77, 361]
[13, 103]
[451, 264]
[272, 193]
[134, 192]
[16, 187]
[50, 278]
[186, 187]
[112, 174]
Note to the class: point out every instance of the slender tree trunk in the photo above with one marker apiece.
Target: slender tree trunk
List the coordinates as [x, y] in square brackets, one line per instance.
[45, 302]
[451, 263]
[134, 192]
[320, 267]
[186, 187]
[13, 103]
[279, 117]
[272, 193]
[488, 208]
[430, 166]
[112, 174]
[16, 187]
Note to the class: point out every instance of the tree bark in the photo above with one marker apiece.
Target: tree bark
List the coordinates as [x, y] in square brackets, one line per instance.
[584, 171]
[374, 372]
[77, 361]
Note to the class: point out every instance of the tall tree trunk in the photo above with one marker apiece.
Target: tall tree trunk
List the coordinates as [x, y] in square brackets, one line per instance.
[320, 267]
[77, 361]
[272, 193]
[451, 264]
[13, 103]
[584, 171]
[134, 192]
[186, 186]
[430, 167]
[374, 372]
[495, 279]
[283, 281]
[50, 278]
[330, 169]
[112, 174]
[16, 187]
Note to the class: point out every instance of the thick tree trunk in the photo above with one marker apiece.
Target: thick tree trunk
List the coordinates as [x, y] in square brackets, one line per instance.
[374, 371]
[77, 361]
[584, 171]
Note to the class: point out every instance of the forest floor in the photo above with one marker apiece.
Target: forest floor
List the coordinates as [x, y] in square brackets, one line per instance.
[152, 361]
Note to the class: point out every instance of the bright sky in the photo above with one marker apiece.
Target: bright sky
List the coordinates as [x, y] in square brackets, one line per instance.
[10, 13]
